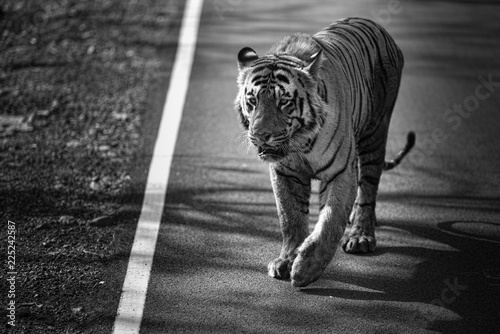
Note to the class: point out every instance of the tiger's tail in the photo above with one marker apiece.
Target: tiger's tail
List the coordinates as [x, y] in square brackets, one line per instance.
[410, 142]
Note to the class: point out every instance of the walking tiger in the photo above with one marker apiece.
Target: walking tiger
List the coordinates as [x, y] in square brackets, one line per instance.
[319, 107]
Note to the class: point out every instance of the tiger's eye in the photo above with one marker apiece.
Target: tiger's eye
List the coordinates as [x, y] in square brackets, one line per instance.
[286, 104]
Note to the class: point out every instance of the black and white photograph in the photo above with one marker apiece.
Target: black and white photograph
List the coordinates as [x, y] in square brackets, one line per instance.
[250, 166]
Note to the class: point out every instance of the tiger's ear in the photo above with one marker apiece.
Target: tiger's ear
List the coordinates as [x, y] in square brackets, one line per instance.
[314, 64]
[246, 57]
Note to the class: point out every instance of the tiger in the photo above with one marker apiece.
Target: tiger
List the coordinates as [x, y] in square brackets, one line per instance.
[318, 107]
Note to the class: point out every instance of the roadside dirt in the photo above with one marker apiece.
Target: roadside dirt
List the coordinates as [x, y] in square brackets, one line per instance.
[76, 83]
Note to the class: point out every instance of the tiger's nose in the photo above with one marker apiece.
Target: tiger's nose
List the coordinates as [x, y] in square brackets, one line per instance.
[261, 137]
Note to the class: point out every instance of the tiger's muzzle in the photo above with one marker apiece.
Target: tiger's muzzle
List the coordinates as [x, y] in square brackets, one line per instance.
[270, 148]
[271, 154]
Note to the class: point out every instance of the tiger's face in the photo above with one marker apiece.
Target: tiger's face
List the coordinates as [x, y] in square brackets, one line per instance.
[274, 104]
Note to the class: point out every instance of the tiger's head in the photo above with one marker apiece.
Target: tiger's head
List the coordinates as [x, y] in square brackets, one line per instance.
[278, 103]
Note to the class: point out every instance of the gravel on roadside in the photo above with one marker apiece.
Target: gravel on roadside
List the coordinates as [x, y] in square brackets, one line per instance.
[75, 82]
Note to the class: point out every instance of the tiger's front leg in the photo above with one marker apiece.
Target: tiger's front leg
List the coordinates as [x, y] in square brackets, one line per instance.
[314, 255]
[292, 192]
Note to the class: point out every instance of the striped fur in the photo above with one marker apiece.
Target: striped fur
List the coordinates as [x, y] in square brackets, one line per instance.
[319, 107]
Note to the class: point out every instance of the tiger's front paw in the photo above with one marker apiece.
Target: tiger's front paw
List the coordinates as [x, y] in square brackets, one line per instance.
[310, 263]
[279, 268]
[354, 244]
[305, 271]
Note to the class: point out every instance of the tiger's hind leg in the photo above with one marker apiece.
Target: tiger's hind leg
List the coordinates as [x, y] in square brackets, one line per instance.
[361, 237]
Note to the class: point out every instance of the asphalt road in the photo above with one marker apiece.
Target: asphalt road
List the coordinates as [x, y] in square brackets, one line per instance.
[437, 265]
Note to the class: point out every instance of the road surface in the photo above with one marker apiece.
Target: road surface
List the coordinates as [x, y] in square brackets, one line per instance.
[437, 265]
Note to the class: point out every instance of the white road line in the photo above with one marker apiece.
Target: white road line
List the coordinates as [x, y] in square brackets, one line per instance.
[131, 307]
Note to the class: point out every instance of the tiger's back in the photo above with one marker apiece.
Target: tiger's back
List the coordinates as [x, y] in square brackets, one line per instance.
[373, 64]
[362, 64]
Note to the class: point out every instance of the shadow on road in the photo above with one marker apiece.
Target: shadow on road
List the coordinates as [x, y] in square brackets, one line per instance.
[451, 279]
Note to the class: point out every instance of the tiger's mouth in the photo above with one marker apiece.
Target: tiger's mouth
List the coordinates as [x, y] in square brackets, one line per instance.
[271, 154]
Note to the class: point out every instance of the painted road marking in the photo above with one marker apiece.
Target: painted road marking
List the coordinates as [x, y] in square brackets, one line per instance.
[131, 307]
